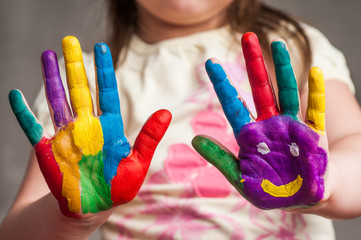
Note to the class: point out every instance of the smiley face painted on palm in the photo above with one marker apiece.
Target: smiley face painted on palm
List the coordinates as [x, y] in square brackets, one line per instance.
[280, 163]
[282, 168]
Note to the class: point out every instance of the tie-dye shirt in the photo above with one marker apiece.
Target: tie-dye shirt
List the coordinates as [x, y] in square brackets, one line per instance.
[183, 196]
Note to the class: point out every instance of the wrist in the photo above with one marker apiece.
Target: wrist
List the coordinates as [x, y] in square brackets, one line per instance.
[71, 228]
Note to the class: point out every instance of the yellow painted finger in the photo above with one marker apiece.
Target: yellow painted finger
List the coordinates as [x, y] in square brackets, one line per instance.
[315, 114]
[77, 81]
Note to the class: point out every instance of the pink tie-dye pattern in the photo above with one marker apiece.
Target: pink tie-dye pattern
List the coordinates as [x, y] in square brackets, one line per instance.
[285, 226]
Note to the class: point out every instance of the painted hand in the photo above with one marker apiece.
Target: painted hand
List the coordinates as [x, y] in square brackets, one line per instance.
[88, 164]
[281, 163]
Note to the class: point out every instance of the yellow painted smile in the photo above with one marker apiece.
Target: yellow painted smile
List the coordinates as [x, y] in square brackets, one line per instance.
[286, 190]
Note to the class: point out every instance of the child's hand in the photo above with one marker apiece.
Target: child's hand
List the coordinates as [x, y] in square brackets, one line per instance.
[280, 163]
[88, 164]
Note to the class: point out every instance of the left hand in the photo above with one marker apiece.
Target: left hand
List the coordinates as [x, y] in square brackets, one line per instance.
[282, 159]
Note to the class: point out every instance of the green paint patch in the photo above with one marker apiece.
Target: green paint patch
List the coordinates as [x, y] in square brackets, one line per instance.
[95, 192]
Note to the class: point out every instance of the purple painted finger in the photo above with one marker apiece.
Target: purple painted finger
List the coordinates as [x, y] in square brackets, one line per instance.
[54, 89]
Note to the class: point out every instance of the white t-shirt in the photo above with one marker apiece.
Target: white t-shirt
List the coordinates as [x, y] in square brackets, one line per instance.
[184, 197]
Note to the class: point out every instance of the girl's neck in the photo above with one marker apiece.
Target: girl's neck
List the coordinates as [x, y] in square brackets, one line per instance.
[152, 29]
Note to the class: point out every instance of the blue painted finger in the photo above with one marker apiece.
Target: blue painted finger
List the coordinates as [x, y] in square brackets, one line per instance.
[107, 84]
[233, 107]
[116, 146]
[286, 80]
[28, 122]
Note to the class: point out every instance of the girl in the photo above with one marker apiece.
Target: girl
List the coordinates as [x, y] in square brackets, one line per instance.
[159, 49]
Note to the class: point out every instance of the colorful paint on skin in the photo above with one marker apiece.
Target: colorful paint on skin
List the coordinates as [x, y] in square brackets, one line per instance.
[86, 170]
[87, 132]
[280, 163]
[31, 127]
[54, 89]
[286, 80]
[233, 107]
[262, 92]
[315, 114]
[116, 146]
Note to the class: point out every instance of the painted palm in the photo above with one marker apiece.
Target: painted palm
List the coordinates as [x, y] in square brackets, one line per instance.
[281, 163]
[88, 164]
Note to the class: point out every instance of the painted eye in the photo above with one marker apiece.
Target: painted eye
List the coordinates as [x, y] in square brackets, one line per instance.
[294, 149]
[263, 148]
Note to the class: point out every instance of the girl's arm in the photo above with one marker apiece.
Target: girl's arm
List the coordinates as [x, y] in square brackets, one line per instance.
[343, 127]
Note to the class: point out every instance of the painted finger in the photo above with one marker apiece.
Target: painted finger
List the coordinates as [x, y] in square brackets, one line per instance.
[315, 113]
[77, 80]
[233, 107]
[54, 89]
[286, 80]
[107, 84]
[150, 135]
[27, 120]
[263, 96]
[221, 158]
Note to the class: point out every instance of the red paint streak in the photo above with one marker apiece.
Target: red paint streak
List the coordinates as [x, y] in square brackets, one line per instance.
[132, 170]
[53, 177]
[263, 96]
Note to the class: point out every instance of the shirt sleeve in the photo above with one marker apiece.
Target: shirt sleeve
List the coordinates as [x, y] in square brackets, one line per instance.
[328, 58]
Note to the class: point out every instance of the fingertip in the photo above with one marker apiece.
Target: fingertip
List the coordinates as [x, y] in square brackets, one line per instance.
[103, 57]
[49, 61]
[16, 98]
[163, 116]
[215, 70]
[250, 45]
[71, 49]
[316, 73]
[280, 53]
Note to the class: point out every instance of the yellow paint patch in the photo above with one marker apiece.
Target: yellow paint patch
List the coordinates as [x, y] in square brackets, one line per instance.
[88, 135]
[315, 114]
[67, 155]
[286, 190]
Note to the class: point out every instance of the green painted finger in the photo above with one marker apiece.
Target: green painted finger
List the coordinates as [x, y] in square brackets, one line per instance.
[221, 158]
[286, 81]
[28, 122]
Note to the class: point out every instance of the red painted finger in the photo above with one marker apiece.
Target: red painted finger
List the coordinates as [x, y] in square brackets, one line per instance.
[132, 170]
[150, 135]
[263, 96]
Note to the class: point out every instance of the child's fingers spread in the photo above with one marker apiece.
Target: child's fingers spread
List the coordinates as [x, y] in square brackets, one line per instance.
[286, 80]
[263, 96]
[315, 114]
[107, 84]
[233, 107]
[27, 120]
[77, 80]
[54, 89]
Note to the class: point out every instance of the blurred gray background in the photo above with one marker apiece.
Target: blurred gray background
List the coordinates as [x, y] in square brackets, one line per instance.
[27, 28]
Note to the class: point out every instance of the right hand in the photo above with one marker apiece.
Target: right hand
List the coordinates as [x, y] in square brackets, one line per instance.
[88, 164]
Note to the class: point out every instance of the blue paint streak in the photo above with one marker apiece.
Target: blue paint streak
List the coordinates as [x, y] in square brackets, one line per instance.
[116, 146]
[234, 109]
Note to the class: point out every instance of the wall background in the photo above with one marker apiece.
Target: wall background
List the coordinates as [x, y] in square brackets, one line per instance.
[29, 27]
